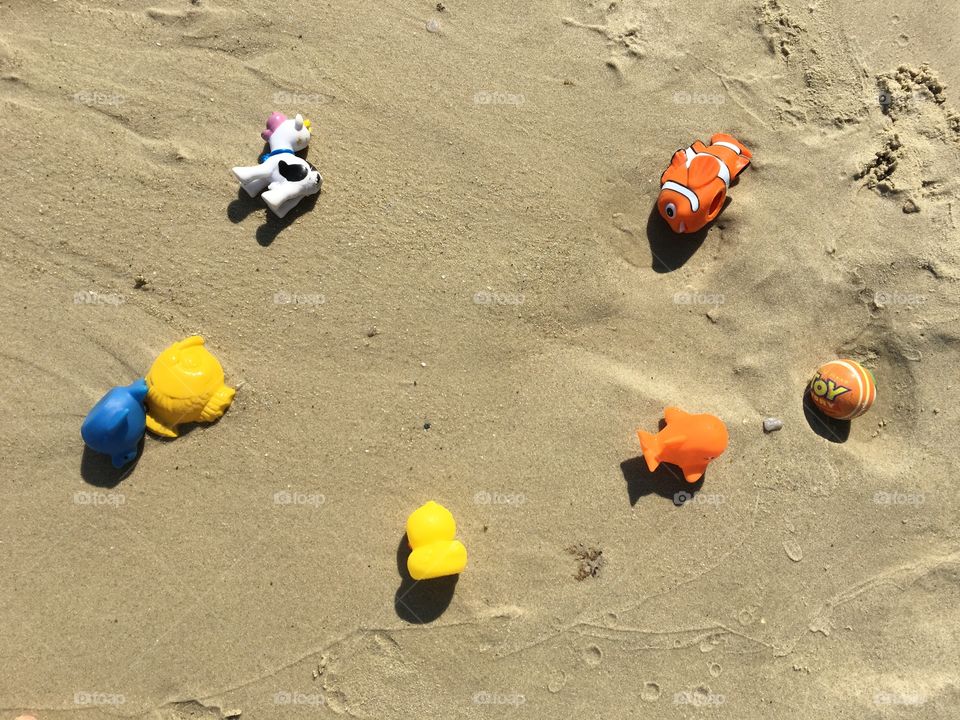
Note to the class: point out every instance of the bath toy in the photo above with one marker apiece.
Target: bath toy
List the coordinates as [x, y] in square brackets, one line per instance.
[843, 389]
[286, 177]
[688, 441]
[430, 532]
[115, 424]
[693, 188]
[184, 385]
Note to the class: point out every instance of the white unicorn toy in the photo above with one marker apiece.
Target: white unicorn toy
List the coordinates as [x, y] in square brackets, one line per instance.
[286, 177]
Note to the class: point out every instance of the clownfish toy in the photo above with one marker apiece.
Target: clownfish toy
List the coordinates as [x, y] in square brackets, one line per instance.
[694, 187]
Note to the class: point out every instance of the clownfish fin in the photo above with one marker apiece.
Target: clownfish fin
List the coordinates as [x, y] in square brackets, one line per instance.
[743, 153]
[676, 169]
[739, 165]
[698, 147]
[703, 170]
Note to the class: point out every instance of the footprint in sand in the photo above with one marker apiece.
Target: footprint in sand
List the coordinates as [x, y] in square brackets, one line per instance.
[709, 644]
[819, 58]
[778, 28]
[650, 692]
[793, 550]
[592, 655]
[912, 166]
[557, 680]
[630, 28]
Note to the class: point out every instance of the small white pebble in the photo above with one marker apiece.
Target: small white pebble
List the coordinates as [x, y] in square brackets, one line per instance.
[772, 424]
[423, 364]
[433, 26]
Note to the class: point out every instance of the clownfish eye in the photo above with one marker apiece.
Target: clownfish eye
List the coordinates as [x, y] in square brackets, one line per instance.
[670, 209]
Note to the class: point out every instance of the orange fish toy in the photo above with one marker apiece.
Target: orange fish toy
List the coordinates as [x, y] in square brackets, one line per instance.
[693, 188]
[687, 441]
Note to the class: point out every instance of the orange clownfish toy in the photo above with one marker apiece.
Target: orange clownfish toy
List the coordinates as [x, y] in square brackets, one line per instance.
[693, 188]
[688, 441]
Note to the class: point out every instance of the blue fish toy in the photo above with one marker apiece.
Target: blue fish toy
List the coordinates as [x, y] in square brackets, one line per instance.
[115, 424]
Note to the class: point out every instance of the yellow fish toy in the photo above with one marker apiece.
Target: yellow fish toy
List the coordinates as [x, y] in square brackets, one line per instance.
[185, 384]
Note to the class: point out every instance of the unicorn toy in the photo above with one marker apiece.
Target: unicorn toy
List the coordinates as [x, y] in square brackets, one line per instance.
[286, 177]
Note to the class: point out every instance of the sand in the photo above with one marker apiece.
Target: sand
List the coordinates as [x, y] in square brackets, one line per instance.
[480, 309]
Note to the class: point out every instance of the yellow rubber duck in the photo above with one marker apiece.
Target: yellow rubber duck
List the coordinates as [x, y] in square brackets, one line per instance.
[184, 385]
[430, 532]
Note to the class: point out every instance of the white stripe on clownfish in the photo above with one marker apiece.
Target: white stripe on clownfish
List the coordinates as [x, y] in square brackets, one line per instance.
[729, 146]
[723, 172]
[689, 194]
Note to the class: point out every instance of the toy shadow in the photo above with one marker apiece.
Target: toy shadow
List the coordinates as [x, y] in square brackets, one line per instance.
[420, 601]
[97, 469]
[666, 481]
[241, 207]
[836, 431]
[671, 251]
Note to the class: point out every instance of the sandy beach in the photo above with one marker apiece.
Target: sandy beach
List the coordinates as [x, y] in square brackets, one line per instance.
[480, 308]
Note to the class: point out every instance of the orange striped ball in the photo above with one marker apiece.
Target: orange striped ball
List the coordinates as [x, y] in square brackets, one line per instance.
[843, 389]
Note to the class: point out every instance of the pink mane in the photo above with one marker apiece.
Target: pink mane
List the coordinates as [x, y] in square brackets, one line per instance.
[273, 122]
